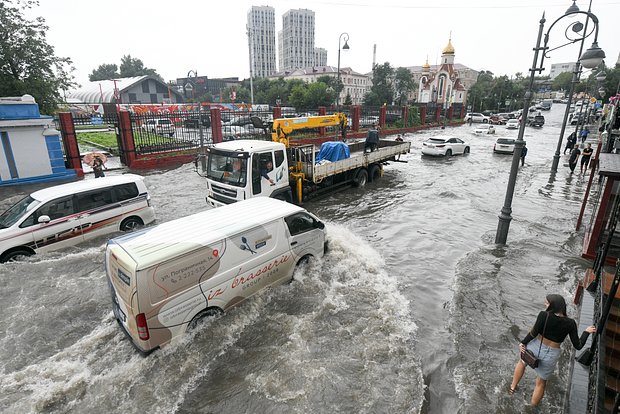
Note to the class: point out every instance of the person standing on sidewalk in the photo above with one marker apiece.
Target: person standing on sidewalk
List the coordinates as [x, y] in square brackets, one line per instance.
[585, 158]
[574, 156]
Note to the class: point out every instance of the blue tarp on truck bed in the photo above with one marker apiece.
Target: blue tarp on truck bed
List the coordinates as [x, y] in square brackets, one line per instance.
[333, 151]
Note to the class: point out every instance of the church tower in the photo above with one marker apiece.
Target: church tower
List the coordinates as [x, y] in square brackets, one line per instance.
[447, 55]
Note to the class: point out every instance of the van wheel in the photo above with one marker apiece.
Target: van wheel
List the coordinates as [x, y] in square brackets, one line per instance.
[361, 178]
[15, 255]
[131, 223]
[374, 172]
[206, 313]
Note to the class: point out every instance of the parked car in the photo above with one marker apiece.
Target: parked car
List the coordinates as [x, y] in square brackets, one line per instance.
[504, 145]
[233, 132]
[159, 126]
[536, 120]
[512, 124]
[193, 121]
[497, 120]
[577, 118]
[476, 117]
[484, 129]
[368, 121]
[444, 146]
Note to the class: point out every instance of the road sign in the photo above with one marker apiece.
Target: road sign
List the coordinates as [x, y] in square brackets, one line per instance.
[593, 100]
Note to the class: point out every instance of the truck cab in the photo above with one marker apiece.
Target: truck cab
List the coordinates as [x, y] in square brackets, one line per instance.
[239, 170]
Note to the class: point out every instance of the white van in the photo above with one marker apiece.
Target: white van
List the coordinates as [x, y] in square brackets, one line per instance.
[165, 278]
[67, 214]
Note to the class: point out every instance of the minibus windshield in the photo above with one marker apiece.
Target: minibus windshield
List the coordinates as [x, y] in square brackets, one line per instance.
[227, 168]
[15, 212]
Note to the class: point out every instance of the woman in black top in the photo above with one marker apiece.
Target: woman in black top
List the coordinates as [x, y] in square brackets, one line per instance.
[585, 158]
[556, 326]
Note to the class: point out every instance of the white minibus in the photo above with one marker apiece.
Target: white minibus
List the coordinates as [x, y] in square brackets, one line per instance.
[165, 278]
[67, 214]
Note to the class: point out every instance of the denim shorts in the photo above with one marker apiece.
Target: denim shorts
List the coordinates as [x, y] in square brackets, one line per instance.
[548, 358]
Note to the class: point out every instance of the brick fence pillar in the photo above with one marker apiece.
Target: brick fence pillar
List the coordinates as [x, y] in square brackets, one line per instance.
[437, 113]
[423, 115]
[216, 125]
[128, 145]
[322, 111]
[405, 116]
[356, 113]
[277, 112]
[69, 140]
[382, 116]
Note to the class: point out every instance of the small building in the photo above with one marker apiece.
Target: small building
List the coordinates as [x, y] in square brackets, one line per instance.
[136, 90]
[31, 149]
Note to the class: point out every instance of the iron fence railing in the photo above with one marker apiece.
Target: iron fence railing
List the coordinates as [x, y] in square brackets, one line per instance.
[173, 131]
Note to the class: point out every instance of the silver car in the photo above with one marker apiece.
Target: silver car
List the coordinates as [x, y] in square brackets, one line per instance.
[444, 146]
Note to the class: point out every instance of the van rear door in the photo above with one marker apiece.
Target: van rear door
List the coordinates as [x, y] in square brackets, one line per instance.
[120, 269]
[307, 235]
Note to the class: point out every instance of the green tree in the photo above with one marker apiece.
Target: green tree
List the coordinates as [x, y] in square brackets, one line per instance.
[297, 98]
[319, 94]
[403, 85]
[562, 81]
[28, 64]
[131, 67]
[104, 72]
[382, 90]
[348, 100]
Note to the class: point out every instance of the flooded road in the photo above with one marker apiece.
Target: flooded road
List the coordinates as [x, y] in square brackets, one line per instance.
[413, 310]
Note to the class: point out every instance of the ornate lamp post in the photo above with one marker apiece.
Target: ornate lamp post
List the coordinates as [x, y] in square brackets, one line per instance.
[344, 47]
[591, 58]
[188, 88]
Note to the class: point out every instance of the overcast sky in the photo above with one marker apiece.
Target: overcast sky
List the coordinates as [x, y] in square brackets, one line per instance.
[174, 37]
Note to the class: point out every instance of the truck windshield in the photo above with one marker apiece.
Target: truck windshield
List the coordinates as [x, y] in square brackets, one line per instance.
[14, 213]
[227, 168]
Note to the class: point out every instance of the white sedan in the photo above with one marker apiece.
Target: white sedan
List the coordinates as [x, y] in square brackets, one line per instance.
[484, 129]
[504, 145]
[512, 124]
[444, 146]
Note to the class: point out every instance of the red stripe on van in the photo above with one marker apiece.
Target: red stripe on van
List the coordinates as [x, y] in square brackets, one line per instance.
[143, 329]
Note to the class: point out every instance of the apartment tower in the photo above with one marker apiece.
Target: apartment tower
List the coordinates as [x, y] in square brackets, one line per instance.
[296, 40]
[261, 28]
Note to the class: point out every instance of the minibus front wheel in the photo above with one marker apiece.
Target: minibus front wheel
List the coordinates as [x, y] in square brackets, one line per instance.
[15, 254]
[206, 313]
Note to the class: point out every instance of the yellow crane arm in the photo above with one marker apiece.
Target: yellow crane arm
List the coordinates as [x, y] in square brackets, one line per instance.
[282, 127]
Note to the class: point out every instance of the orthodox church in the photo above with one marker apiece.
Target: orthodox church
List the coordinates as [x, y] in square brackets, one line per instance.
[446, 83]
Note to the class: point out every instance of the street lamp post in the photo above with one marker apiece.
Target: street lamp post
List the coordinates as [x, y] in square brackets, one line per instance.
[344, 47]
[591, 58]
[188, 87]
[588, 59]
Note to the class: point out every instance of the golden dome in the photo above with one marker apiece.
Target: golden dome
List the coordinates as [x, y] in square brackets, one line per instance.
[448, 50]
[426, 67]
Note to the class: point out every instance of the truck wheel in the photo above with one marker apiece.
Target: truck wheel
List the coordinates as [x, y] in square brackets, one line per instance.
[374, 172]
[206, 313]
[361, 178]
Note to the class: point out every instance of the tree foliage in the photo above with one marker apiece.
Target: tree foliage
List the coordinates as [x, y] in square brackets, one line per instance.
[403, 85]
[130, 67]
[562, 81]
[382, 90]
[28, 64]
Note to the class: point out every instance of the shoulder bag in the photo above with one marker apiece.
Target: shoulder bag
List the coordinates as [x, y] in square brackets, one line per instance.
[528, 357]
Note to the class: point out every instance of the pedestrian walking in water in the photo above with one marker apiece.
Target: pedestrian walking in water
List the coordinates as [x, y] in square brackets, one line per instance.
[574, 156]
[98, 167]
[544, 339]
[585, 158]
[584, 134]
[523, 154]
[570, 142]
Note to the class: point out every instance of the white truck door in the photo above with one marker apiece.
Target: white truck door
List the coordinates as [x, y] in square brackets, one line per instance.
[263, 174]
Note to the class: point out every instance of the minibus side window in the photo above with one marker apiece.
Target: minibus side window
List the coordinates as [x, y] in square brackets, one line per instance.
[56, 209]
[125, 191]
[299, 223]
[94, 199]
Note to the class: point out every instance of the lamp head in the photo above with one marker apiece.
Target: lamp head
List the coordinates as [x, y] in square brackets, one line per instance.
[601, 91]
[601, 76]
[188, 87]
[592, 57]
[572, 9]
[346, 46]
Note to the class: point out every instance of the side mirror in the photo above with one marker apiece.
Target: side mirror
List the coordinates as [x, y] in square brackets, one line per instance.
[319, 225]
[44, 219]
